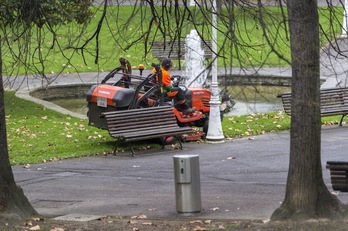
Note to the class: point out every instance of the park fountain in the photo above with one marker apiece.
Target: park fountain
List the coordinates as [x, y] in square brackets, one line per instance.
[195, 71]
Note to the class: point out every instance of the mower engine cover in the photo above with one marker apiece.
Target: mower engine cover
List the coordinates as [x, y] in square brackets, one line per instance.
[107, 95]
[199, 98]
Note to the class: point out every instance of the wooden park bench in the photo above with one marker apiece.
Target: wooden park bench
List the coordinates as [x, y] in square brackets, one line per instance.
[338, 175]
[176, 49]
[142, 124]
[333, 101]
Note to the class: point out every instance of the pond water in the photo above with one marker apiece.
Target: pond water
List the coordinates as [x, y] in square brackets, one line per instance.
[256, 99]
[78, 105]
[249, 100]
[246, 108]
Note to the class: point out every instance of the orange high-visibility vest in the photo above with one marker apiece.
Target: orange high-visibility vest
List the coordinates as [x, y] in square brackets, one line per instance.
[165, 77]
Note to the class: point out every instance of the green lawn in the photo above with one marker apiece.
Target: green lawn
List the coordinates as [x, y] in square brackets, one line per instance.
[36, 134]
[122, 36]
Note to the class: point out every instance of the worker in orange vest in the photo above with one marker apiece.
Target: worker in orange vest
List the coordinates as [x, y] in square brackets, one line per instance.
[173, 92]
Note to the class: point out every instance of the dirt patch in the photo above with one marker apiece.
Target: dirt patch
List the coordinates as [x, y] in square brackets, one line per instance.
[168, 224]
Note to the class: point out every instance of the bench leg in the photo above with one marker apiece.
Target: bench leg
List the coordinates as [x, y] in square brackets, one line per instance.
[163, 142]
[341, 120]
[122, 142]
[131, 148]
[178, 137]
[346, 180]
[117, 143]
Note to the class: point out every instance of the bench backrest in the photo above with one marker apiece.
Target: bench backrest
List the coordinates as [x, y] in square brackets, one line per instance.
[330, 99]
[176, 49]
[333, 96]
[136, 120]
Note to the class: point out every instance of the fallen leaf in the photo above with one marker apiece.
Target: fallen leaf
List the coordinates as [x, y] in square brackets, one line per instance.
[175, 146]
[266, 221]
[132, 222]
[196, 221]
[103, 218]
[35, 228]
[198, 228]
[37, 218]
[147, 223]
[142, 216]
[57, 229]
[28, 223]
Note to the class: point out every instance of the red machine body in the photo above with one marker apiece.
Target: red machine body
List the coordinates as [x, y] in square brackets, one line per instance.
[131, 92]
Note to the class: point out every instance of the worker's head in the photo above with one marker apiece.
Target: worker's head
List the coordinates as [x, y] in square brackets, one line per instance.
[167, 63]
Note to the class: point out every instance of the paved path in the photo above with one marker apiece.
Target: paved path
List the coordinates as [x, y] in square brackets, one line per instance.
[240, 179]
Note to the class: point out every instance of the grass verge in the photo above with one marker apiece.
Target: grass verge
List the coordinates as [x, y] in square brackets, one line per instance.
[36, 134]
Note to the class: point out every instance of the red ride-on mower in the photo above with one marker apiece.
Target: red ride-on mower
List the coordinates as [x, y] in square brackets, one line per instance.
[131, 92]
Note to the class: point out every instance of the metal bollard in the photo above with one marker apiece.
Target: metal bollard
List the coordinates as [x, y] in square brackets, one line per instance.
[187, 183]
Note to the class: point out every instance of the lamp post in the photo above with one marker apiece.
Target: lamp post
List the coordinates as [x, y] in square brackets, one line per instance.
[345, 19]
[215, 133]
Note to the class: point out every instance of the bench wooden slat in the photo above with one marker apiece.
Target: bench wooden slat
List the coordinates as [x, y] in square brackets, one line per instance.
[156, 120]
[338, 175]
[142, 124]
[140, 116]
[139, 111]
[176, 49]
[333, 101]
[129, 132]
[340, 188]
[150, 134]
[135, 127]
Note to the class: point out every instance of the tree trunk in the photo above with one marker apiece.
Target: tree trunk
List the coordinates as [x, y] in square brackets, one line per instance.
[13, 202]
[306, 194]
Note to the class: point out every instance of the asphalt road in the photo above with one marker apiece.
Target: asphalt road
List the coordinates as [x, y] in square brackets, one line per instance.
[240, 179]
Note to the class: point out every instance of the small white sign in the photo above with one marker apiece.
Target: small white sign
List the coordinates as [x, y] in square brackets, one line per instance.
[102, 102]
